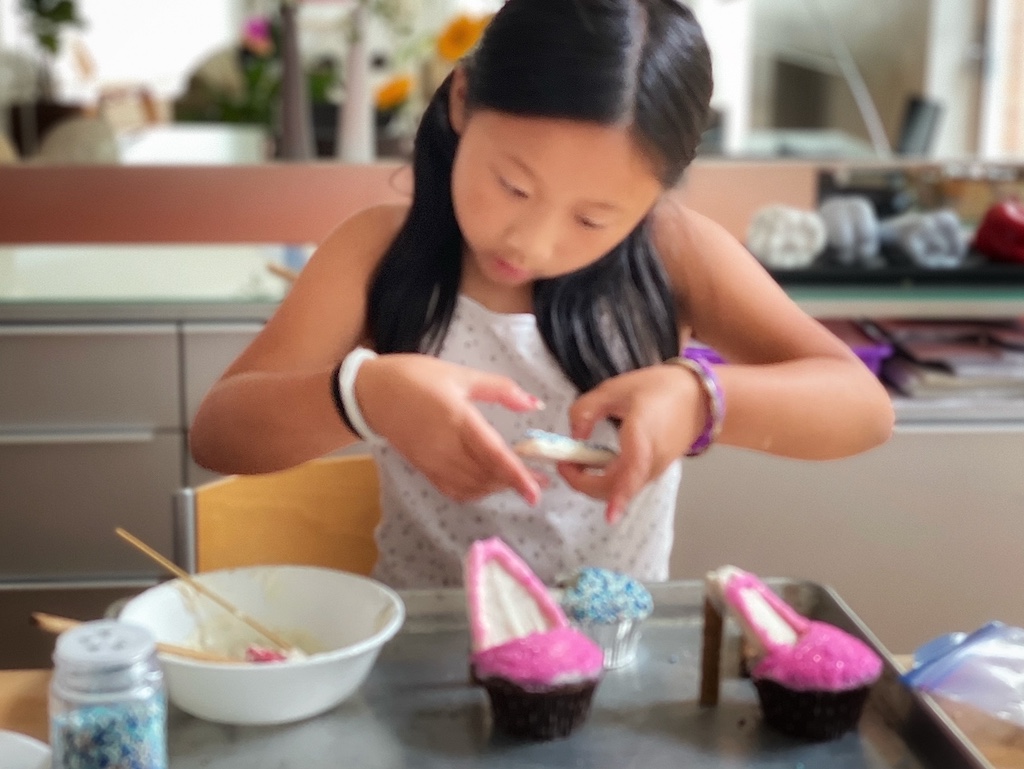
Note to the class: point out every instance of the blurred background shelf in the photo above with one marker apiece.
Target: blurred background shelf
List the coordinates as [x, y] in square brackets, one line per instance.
[910, 301]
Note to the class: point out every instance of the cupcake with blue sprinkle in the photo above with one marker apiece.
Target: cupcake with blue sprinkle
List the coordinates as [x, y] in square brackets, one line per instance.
[610, 608]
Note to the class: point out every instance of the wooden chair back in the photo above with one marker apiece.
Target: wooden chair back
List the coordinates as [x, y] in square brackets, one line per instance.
[321, 513]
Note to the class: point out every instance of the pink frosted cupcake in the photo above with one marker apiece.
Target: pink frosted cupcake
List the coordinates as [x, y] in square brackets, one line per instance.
[811, 677]
[539, 673]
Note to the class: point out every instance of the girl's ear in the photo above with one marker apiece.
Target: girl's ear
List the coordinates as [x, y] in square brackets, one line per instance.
[457, 100]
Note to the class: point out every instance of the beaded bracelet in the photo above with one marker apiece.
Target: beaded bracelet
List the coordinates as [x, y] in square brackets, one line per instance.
[716, 401]
[343, 383]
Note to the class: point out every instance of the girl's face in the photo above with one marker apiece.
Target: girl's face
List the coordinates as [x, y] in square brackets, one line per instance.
[539, 197]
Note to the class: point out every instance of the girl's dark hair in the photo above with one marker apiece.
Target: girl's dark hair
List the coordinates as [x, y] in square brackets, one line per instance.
[639, 63]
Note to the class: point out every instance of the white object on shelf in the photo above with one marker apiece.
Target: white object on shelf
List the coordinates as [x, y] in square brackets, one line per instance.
[140, 273]
[194, 144]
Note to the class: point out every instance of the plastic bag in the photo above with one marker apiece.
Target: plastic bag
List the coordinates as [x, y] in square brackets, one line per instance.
[984, 669]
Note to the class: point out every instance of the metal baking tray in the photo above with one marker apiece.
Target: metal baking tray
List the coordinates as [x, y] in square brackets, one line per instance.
[418, 709]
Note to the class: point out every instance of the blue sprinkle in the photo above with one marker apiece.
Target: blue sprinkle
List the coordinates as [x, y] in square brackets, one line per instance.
[128, 736]
[605, 596]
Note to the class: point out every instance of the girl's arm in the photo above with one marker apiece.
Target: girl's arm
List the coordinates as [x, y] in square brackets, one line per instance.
[792, 388]
[272, 408]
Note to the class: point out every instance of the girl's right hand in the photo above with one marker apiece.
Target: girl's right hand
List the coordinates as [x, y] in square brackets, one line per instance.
[424, 408]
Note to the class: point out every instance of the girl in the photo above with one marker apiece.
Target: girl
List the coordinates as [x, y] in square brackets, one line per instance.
[544, 275]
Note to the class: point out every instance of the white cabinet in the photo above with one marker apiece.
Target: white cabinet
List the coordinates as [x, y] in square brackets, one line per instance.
[89, 439]
[921, 536]
[63, 497]
[93, 435]
[95, 376]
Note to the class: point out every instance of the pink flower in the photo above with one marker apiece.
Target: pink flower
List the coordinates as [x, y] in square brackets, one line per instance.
[256, 36]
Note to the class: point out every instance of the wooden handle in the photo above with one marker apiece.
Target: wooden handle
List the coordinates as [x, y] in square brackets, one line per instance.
[711, 655]
[229, 607]
[57, 625]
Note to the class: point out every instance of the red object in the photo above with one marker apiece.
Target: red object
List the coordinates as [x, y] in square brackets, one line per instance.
[1000, 235]
[256, 653]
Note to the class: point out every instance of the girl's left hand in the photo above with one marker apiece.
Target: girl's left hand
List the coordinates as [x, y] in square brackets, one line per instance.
[661, 409]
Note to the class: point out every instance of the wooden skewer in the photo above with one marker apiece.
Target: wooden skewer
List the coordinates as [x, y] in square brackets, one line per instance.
[199, 587]
[282, 272]
[56, 625]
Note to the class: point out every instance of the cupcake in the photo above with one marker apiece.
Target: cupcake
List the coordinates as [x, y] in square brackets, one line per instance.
[812, 678]
[609, 607]
[539, 673]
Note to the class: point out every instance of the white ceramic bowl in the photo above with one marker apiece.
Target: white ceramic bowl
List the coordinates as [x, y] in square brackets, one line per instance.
[20, 752]
[344, 619]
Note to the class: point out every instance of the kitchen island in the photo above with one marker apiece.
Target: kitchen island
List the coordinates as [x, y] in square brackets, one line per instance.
[418, 708]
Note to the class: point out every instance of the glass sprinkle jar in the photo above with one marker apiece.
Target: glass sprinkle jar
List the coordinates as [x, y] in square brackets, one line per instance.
[108, 706]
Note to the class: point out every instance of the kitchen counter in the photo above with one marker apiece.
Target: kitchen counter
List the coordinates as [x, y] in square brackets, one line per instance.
[418, 708]
[85, 283]
[149, 311]
[845, 301]
[939, 414]
[224, 282]
[23, 708]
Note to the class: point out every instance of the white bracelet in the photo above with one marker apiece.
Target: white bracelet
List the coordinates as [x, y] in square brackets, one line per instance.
[347, 388]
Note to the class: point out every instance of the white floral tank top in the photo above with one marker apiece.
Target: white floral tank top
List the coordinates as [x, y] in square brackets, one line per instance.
[423, 535]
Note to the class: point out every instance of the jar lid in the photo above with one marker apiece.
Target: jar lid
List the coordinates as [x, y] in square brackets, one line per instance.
[104, 643]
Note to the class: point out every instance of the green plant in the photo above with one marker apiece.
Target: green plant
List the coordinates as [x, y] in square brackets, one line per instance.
[251, 95]
[47, 18]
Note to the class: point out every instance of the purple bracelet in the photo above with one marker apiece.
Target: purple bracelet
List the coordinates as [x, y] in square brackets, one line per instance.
[697, 363]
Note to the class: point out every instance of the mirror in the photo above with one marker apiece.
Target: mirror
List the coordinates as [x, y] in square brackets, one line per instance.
[865, 78]
[816, 79]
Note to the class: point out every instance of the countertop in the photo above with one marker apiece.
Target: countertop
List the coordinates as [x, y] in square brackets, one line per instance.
[23, 708]
[138, 283]
[421, 678]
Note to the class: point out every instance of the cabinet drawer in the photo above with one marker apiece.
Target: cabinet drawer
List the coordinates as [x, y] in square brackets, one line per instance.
[87, 375]
[60, 503]
[209, 348]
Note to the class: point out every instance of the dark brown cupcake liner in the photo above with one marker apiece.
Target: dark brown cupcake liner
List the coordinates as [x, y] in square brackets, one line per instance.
[810, 715]
[538, 715]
